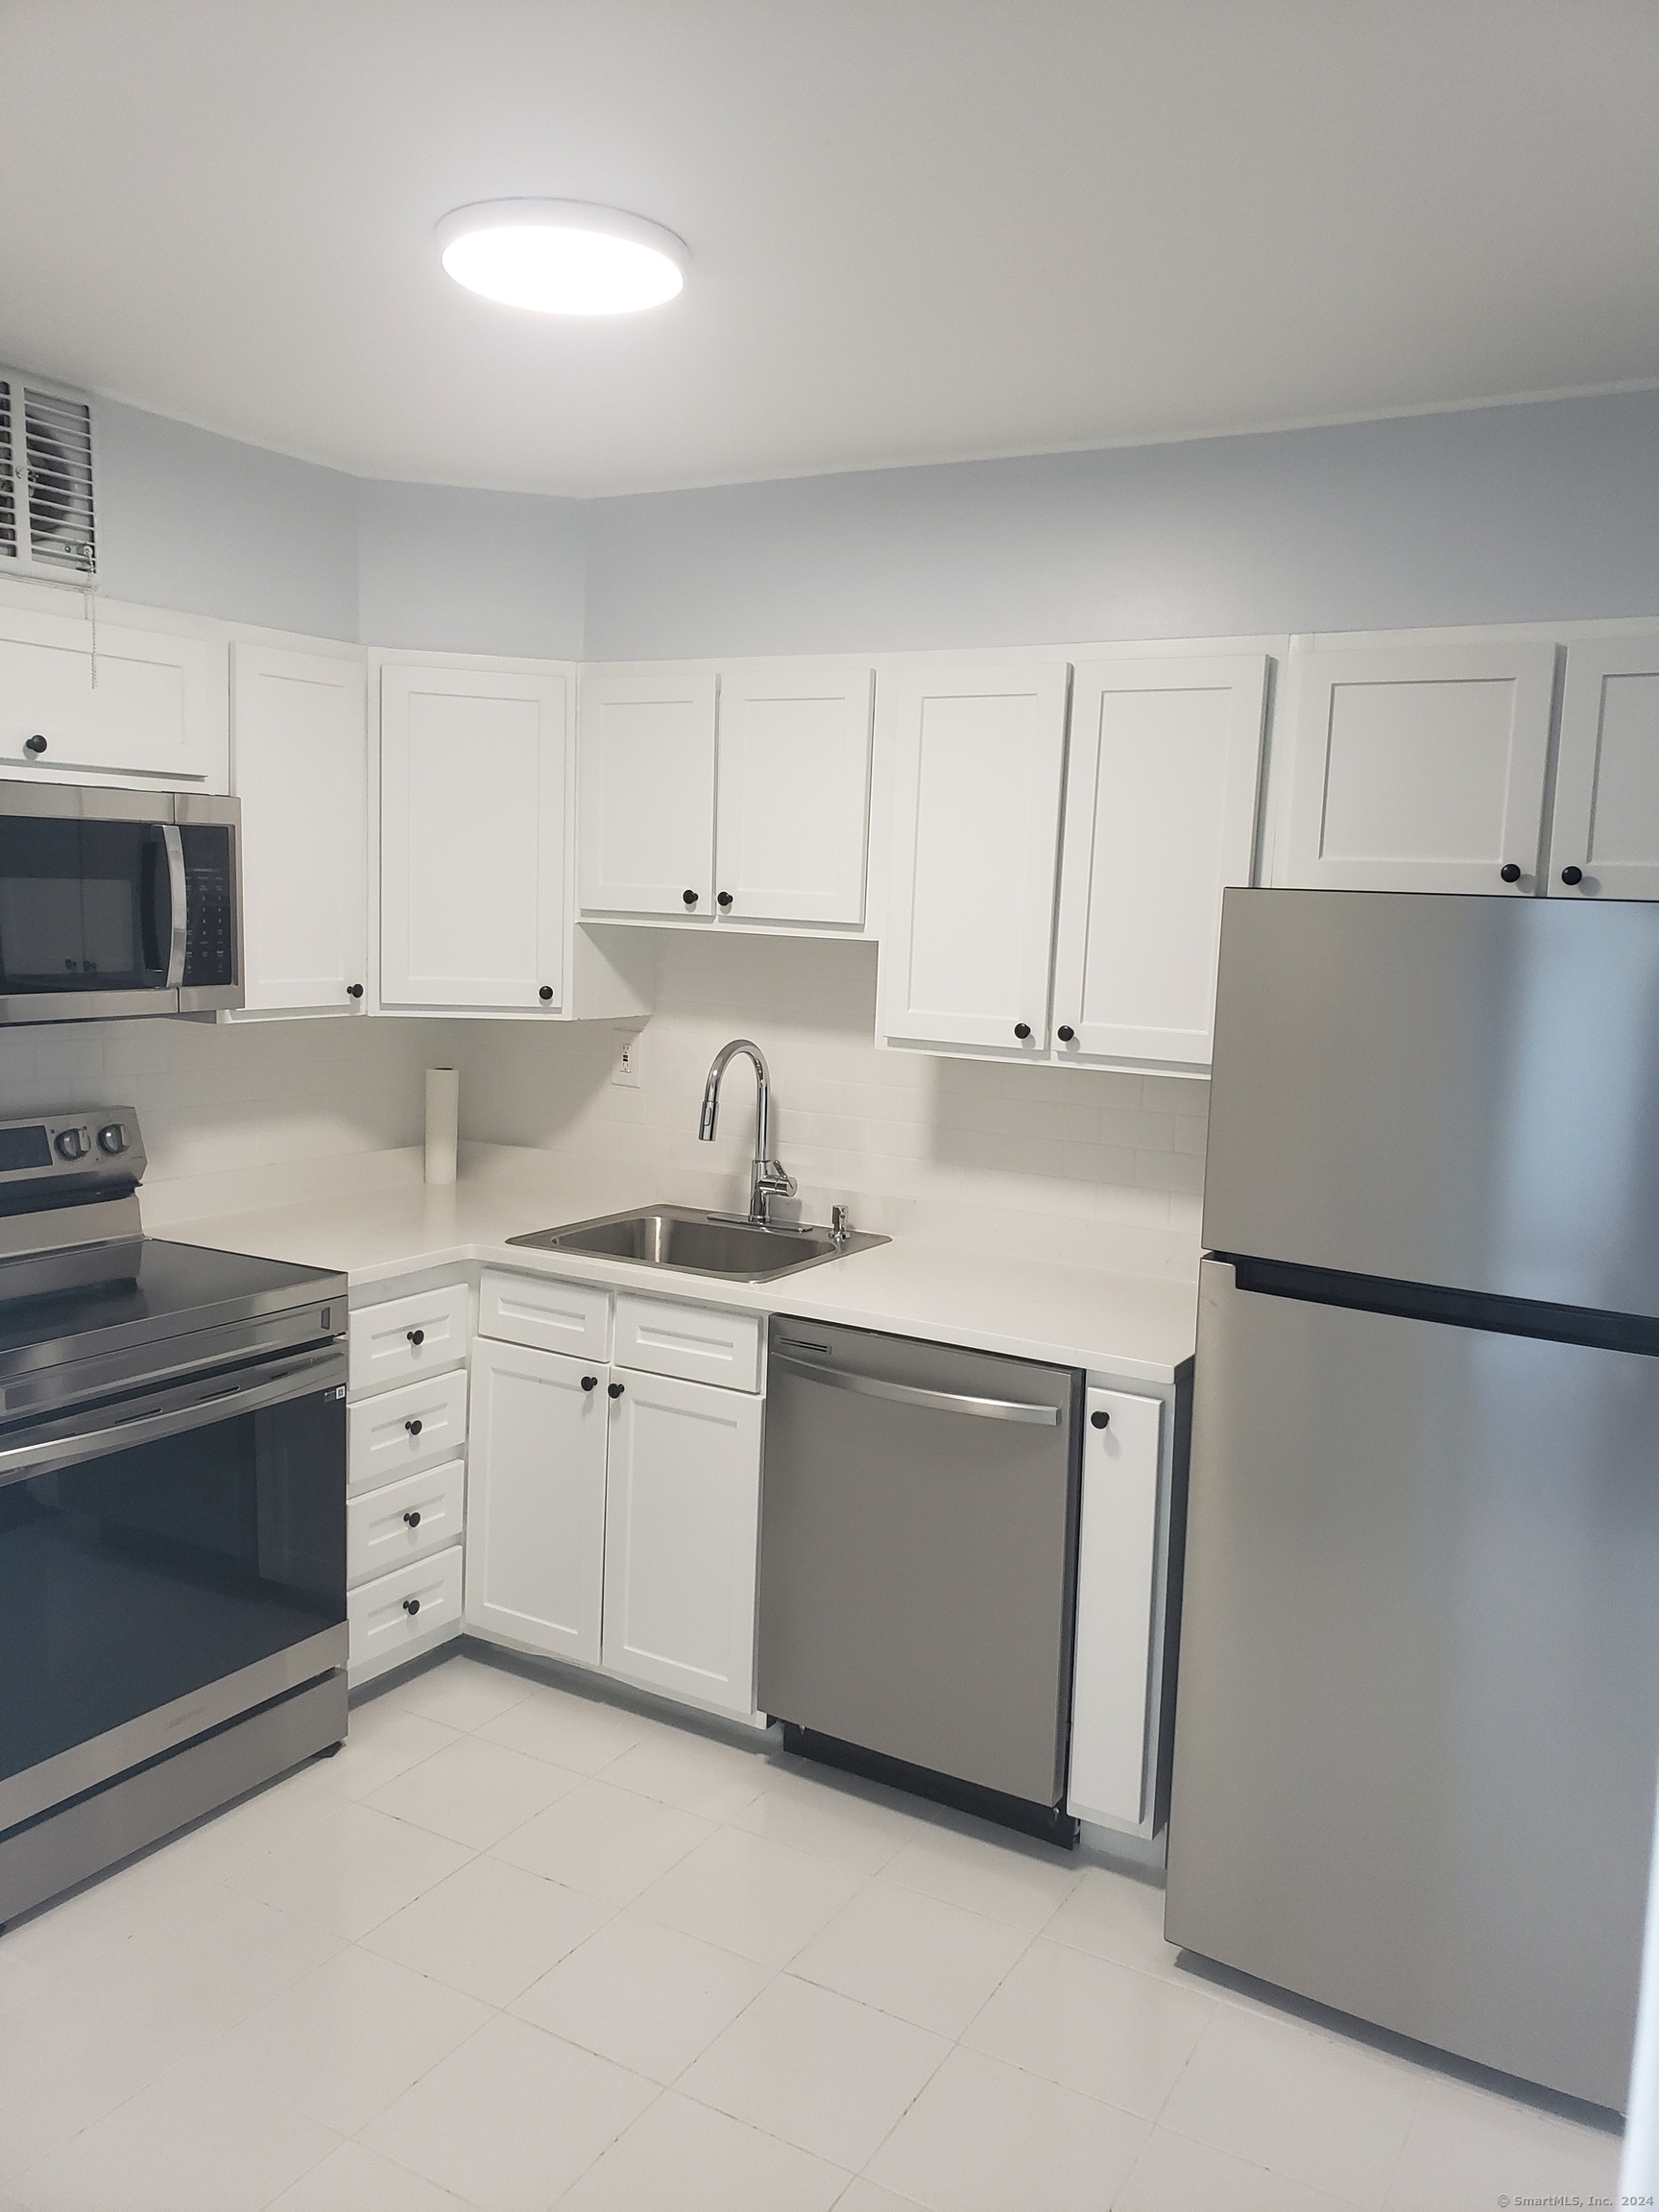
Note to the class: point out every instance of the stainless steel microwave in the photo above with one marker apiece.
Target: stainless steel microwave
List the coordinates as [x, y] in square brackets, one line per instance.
[117, 902]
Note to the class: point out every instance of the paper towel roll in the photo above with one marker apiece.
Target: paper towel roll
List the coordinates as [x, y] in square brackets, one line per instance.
[442, 1122]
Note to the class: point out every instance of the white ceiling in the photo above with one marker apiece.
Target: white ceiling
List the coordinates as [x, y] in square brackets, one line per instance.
[918, 231]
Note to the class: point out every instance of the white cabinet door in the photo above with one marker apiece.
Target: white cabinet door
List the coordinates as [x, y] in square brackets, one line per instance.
[979, 756]
[1605, 833]
[1117, 1558]
[1162, 776]
[682, 1529]
[647, 783]
[121, 702]
[794, 795]
[1418, 767]
[536, 1500]
[474, 767]
[300, 767]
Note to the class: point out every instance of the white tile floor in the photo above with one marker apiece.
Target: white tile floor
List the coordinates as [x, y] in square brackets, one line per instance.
[516, 1947]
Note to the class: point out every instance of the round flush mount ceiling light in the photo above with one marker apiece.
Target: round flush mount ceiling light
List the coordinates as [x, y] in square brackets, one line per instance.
[561, 257]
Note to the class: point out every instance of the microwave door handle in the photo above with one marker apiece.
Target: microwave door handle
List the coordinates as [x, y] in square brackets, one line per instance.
[173, 844]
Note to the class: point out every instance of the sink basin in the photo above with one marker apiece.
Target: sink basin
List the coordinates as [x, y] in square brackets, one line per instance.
[697, 1244]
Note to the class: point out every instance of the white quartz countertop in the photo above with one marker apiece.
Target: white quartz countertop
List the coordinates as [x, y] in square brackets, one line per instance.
[1138, 1326]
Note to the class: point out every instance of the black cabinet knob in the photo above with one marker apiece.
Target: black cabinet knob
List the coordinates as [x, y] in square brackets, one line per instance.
[689, 897]
[413, 1517]
[35, 745]
[546, 992]
[1509, 873]
[1099, 1420]
[1022, 1030]
[614, 1390]
[411, 1606]
[416, 1336]
[1571, 874]
[353, 989]
[590, 1381]
[723, 898]
[413, 1426]
[1064, 1032]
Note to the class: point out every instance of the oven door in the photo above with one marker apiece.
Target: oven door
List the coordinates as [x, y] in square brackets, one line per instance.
[166, 1564]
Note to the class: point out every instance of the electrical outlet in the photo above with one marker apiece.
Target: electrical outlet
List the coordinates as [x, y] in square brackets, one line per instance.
[625, 1067]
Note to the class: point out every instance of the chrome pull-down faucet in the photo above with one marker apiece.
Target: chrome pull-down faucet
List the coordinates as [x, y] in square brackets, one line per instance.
[767, 1178]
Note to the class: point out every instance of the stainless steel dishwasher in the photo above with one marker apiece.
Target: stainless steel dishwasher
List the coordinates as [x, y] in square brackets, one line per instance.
[918, 1558]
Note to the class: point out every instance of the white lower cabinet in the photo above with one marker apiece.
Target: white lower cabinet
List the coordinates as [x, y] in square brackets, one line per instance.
[1112, 1702]
[536, 1534]
[398, 1615]
[682, 1529]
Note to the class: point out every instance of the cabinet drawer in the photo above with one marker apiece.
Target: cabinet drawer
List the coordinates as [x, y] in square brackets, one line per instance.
[547, 1314]
[404, 1521]
[408, 1337]
[698, 1343]
[397, 1611]
[399, 1430]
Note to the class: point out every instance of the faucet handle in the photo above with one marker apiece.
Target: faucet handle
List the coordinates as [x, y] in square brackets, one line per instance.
[839, 1226]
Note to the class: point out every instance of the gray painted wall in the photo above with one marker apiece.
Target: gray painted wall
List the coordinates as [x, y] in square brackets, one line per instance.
[211, 526]
[1503, 514]
[469, 572]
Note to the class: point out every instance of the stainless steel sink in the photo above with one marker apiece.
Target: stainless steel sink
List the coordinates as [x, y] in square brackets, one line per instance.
[723, 1244]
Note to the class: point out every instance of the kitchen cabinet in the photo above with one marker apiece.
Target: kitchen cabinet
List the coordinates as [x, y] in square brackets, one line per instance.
[647, 784]
[105, 698]
[1163, 771]
[1605, 836]
[682, 1529]
[535, 1517]
[738, 798]
[475, 792]
[1417, 766]
[1112, 1738]
[966, 954]
[299, 765]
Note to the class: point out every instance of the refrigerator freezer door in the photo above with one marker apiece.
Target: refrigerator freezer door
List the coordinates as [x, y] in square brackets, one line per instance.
[1417, 1730]
[1454, 1090]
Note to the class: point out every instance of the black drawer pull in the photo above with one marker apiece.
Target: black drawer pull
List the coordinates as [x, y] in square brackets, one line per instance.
[590, 1381]
[1099, 1420]
[35, 745]
[1022, 1030]
[417, 1335]
[411, 1606]
[413, 1426]
[413, 1517]
[614, 1390]
[1572, 875]
[1509, 873]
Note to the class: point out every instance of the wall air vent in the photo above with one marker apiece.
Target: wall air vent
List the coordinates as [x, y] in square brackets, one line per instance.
[46, 525]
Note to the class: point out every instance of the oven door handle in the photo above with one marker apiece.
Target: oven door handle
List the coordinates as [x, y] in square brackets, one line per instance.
[173, 844]
[18, 1462]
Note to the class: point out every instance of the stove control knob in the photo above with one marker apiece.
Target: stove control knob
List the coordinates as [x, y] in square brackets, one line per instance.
[71, 1143]
[112, 1139]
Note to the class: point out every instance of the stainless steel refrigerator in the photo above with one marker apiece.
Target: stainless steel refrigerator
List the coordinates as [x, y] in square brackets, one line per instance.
[1418, 1700]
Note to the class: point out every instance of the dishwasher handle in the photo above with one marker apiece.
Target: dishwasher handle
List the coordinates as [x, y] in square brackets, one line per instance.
[930, 1400]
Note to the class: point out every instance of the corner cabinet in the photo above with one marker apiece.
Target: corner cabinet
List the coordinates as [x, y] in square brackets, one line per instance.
[477, 788]
[979, 760]
[1162, 782]
[730, 798]
[298, 763]
[1417, 766]
[1605, 836]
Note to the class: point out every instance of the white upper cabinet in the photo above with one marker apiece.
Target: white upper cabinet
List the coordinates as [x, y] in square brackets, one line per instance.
[978, 759]
[475, 798]
[1418, 767]
[647, 784]
[300, 767]
[1604, 841]
[794, 795]
[77, 695]
[1163, 766]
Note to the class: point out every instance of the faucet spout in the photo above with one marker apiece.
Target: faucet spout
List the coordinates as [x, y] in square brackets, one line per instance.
[767, 1179]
